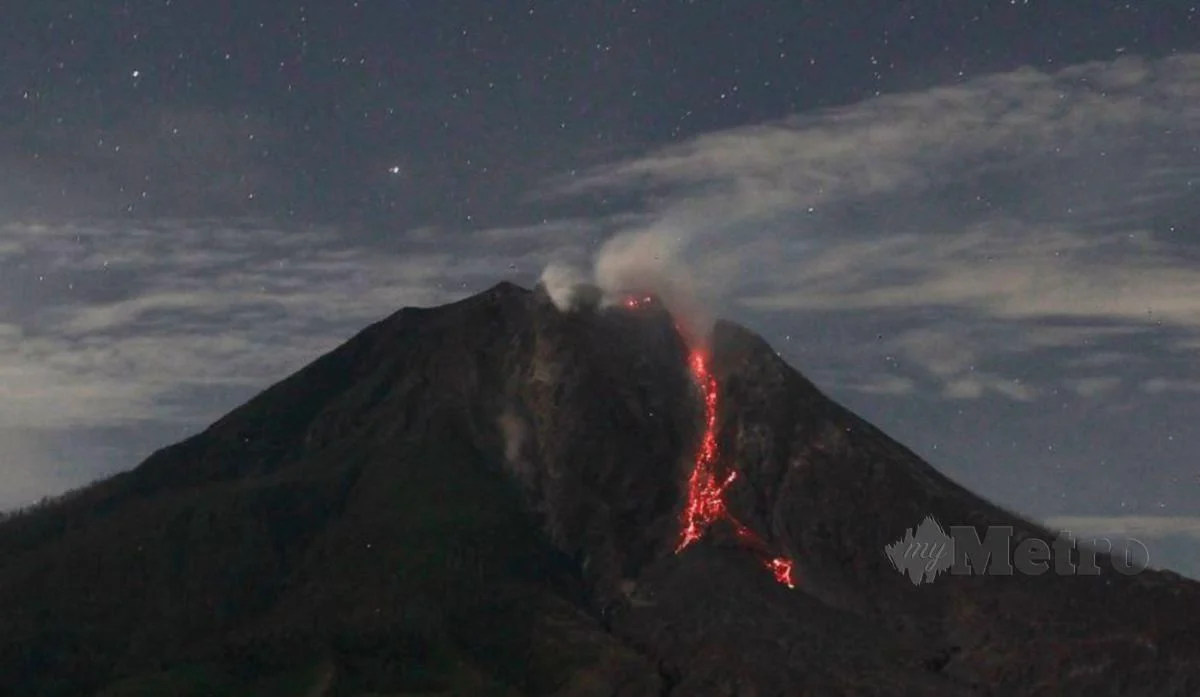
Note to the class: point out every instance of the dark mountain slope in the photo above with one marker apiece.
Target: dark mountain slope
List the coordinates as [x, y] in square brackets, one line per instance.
[483, 498]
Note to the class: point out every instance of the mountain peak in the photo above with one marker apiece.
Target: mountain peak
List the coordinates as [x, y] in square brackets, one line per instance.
[491, 495]
[505, 288]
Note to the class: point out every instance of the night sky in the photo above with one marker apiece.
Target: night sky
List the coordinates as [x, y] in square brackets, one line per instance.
[974, 223]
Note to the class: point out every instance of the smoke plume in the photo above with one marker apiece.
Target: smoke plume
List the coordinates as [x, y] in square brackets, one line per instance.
[649, 261]
[654, 261]
[561, 282]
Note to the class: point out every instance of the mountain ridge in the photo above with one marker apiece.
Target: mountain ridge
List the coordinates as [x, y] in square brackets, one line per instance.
[485, 498]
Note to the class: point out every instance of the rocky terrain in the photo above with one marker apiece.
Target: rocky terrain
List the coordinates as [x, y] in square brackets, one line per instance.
[485, 498]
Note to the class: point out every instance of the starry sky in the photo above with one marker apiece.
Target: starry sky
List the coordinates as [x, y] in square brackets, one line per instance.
[975, 223]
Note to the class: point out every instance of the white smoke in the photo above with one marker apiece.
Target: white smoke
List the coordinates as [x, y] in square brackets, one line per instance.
[515, 431]
[653, 261]
[561, 282]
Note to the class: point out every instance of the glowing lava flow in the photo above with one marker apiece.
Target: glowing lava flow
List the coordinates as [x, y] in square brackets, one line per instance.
[706, 488]
[706, 492]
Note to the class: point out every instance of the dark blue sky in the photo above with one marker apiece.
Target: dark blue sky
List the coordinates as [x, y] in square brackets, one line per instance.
[307, 105]
[973, 222]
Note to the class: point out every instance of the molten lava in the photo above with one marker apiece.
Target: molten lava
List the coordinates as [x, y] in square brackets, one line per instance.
[706, 491]
[706, 487]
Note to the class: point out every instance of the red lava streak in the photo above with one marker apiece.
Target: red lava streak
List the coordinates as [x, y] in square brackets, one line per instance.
[706, 488]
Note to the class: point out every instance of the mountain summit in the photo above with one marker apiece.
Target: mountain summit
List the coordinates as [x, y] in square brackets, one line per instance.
[497, 497]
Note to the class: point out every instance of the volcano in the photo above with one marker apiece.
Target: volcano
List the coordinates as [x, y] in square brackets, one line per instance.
[494, 497]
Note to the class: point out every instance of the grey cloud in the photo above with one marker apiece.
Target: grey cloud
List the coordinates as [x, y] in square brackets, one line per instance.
[1160, 385]
[977, 385]
[1003, 269]
[1093, 386]
[879, 384]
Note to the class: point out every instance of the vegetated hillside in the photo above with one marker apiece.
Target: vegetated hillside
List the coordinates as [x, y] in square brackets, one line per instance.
[484, 498]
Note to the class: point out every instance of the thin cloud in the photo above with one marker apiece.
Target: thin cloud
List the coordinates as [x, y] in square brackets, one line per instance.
[1094, 386]
[880, 384]
[1026, 199]
[197, 305]
[1151, 526]
[906, 141]
[980, 384]
[768, 185]
[1161, 385]
[1005, 270]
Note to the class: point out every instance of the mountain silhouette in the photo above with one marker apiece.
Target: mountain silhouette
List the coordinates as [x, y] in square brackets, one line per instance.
[486, 498]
